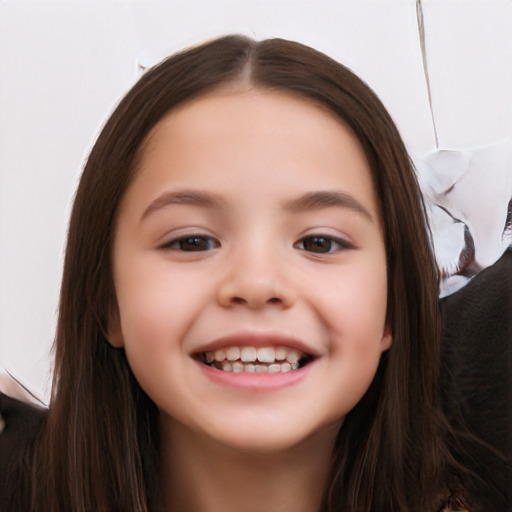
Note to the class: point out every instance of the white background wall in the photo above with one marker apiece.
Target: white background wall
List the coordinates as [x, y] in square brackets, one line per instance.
[63, 65]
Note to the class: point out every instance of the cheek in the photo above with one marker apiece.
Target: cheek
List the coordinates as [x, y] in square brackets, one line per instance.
[153, 293]
[154, 316]
[156, 309]
[355, 301]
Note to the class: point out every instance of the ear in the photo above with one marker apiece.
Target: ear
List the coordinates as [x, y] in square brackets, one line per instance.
[387, 339]
[114, 332]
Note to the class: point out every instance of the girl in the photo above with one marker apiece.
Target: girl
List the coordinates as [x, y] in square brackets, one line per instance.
[248, 316]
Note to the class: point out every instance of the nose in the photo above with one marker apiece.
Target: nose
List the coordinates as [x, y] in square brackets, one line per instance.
[256, 282]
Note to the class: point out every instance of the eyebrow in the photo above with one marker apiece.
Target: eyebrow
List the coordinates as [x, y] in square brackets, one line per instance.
[327, 199]
[306, 202]
[183, 197]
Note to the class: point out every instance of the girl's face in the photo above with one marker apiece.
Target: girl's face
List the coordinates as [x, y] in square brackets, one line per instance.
[250, 270]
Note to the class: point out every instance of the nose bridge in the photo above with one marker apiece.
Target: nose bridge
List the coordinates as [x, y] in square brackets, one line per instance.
[257, 275]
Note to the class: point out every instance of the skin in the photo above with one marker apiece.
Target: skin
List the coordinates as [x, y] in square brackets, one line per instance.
[247, 158]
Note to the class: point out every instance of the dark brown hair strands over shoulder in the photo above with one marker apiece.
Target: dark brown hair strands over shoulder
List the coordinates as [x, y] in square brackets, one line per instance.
[98, 450]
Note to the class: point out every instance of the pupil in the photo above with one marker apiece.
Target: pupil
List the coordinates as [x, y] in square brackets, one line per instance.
[317, 244]
[194, 243]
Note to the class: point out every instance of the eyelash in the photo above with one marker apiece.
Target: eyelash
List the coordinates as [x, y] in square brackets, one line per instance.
[200, 243]
[197, 243]
[334, 244]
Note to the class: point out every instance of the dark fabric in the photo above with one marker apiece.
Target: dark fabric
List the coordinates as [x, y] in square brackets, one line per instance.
[475, 384]
[22, 422]
[476, 379]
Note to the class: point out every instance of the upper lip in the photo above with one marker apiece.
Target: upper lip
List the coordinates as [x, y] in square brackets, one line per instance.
[258, 339]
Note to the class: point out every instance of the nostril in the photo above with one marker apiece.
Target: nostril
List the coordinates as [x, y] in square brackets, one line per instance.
[241, 300]
[254, 293]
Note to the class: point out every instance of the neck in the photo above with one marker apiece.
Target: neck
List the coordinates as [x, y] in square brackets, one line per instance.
[201, 475]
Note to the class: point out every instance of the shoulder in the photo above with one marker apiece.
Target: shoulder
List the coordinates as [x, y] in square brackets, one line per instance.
[21, 413]
[477, 351]
[483, 304]
[18, 419]
[19, 423]
[476, 373]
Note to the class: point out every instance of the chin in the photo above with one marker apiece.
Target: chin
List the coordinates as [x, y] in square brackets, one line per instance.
[269, 439]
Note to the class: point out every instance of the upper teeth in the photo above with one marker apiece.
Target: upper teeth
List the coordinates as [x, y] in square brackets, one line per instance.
[246, 354]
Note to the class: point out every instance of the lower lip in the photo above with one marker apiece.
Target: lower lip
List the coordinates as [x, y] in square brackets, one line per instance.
[256, 381]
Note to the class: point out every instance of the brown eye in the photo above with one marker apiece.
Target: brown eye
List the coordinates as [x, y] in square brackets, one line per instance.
[192, 244]
[317, 244]
[322, 244]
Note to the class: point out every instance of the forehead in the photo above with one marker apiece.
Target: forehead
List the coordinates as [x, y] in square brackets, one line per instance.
[234, 139]
[249, 107]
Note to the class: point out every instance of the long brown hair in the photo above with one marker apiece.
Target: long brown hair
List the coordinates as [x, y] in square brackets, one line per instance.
[98, 448]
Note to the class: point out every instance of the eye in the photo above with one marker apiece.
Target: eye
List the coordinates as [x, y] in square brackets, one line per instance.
[192, 243]
[322, 244]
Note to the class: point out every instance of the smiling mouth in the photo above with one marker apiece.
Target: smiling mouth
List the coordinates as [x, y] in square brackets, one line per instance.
[255, 359]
